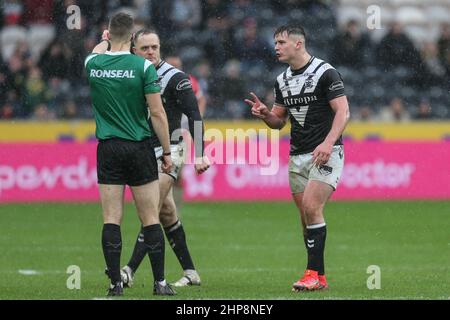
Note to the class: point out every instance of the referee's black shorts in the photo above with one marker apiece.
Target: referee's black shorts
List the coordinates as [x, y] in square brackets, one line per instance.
[125, 162]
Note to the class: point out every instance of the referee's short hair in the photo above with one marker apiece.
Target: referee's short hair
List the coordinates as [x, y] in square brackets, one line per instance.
[290, 29]
[121, 26]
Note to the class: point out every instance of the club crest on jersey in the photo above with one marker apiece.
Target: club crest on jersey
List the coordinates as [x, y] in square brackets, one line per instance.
[309, 83]
[184, 84]
[337, 85]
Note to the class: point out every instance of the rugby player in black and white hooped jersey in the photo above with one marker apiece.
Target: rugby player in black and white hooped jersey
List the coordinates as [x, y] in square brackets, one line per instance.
[311, 94]
[178, 99]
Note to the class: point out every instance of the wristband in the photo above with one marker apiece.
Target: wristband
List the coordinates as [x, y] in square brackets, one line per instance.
[167, 153]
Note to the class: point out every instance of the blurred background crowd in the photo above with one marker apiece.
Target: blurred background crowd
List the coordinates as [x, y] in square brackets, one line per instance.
[399, 71]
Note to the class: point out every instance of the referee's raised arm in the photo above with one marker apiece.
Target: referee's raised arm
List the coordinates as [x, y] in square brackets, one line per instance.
[104, 45]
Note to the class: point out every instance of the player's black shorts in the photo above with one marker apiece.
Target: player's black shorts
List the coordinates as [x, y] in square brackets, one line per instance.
[126, 162]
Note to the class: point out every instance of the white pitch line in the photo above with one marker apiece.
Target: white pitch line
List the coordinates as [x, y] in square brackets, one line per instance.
[28, 272]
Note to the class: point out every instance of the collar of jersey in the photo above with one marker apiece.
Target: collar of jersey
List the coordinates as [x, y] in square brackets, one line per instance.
[116, 53]
[160, 64]
[302, 69]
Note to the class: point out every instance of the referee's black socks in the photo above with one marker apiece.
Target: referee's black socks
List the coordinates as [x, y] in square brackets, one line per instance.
[112, 247]
[315, 244]
[177, 239]
[154, 241]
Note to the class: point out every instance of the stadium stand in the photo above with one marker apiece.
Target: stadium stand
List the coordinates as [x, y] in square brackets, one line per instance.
[406, 59]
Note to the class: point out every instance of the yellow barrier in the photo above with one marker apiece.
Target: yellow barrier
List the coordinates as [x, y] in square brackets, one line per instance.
[32, 131]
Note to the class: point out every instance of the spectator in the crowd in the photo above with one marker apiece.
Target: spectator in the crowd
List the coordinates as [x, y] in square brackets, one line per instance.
[1, 17]
[424, 111]
[38, 11]
[10, 107]
[203, 73]
[69, 110]
[4, 81]
[444, 48]
[363, 113]
[176, 61]
[251, 50]
[17, 74]
[6, 111]
[22, 51]
[283, 7]
[42, 113]
[74, 43]
[217, 39]
[269, 98]
[36, 91]
[352, 46]
[227, 30]
[144, 9]
[213, 10]
[186, 14]
[395, 112]
[230, 91]
[12, 12]
[433, 69]
[93, 12]
[54, 61]
[60, 92]
[241, 9]
[161, 10]
[396, 49]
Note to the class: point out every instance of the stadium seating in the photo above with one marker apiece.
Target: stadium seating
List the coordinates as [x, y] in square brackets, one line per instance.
[366, 84]
[38, 37]
[11, 36]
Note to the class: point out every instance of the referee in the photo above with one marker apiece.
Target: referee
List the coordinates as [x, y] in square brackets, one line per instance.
[122, 85]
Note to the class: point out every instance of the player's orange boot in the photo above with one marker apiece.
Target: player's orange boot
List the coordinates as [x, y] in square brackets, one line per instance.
[309, 281]
[323, 282]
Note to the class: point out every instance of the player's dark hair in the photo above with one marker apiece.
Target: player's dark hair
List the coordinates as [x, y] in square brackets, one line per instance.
[121, 26]
[297, 30]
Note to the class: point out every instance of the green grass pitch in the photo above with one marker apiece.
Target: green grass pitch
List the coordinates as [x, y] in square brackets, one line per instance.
[242, 251]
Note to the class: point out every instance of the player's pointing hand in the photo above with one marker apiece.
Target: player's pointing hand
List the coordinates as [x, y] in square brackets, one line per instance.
[259, 109]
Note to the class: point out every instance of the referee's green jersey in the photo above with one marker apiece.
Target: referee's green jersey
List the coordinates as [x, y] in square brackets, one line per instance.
[119, 82]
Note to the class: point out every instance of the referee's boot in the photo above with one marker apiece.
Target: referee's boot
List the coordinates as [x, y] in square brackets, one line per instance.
[161, 290]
